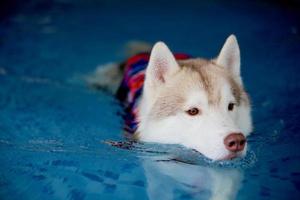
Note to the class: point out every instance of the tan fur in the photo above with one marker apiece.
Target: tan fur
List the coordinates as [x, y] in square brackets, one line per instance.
[209, 73]
[194, 73]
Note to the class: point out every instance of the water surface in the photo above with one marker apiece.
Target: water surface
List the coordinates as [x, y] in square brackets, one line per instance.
[52, 125]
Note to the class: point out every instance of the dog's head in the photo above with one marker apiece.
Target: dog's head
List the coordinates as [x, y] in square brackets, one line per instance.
[198, 103]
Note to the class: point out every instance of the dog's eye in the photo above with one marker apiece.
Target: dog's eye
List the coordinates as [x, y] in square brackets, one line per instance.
[230, 106]
[193, 111]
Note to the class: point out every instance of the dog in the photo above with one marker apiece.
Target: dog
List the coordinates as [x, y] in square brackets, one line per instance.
[177, 99]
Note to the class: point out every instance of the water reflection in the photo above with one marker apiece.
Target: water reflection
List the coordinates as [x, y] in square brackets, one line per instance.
[173, 179]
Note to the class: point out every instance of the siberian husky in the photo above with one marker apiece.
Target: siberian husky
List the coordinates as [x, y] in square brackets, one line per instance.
[176, 99]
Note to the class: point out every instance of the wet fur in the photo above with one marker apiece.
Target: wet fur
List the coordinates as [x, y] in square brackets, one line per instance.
[171, 87]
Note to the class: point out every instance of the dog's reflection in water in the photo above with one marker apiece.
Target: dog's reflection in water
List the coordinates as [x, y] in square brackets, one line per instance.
[170, 179]
[177, 176]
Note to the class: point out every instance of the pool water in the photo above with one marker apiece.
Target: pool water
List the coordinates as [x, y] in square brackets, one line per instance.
[53, 126]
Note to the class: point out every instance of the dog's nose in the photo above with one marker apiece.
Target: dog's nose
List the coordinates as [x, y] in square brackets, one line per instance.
[235, 142]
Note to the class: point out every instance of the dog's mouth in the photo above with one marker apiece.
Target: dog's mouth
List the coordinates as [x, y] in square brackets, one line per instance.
[231, 156]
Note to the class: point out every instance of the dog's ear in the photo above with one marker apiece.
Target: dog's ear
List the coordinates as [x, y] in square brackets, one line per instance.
[162, 64]
[229, 56]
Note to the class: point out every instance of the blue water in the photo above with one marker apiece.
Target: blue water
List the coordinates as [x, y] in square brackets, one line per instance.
[53, 126]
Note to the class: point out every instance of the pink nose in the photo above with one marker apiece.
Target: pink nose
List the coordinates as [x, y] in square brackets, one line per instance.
[235, 142]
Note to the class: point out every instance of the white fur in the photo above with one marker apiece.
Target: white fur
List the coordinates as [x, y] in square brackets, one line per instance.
[206, 132]
[162, 64]
[229, 56]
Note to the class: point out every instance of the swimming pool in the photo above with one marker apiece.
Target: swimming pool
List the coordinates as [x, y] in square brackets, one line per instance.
[52, 126]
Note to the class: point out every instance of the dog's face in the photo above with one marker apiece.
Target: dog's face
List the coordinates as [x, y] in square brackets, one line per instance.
[198, 103]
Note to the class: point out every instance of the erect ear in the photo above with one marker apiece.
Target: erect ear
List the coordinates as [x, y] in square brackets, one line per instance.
[161, 65]
[229, 56]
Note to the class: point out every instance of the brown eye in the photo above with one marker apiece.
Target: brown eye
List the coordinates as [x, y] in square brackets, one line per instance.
[193, 111]
[230, 106]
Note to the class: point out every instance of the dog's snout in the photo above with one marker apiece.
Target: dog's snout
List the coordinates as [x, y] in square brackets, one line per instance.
[235, 142]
